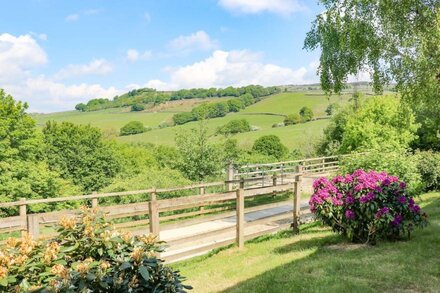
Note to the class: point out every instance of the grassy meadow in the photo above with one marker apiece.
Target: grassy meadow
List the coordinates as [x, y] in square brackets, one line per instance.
[262, 115]
[318, 260]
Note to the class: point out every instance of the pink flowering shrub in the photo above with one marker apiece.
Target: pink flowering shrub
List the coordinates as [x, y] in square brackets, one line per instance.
[366, 206]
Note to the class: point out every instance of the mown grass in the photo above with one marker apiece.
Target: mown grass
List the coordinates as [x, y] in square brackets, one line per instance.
[318, 260]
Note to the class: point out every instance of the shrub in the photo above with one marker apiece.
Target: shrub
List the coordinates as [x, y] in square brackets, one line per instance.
[137, 107]
[275, 125]
[428, 164]
[400, 164]
[306, 114]
[235, 105]
[89, 256]
[292, 119]
[331, 109]
[133, 127]
[235, 126]
[366, 207]
[270, 145]
[184, 117]
[81, 107]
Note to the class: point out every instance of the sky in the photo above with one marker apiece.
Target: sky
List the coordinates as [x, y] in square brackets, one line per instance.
[55, 54]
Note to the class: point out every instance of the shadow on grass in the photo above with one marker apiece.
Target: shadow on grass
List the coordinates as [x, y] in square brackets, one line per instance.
[328, 266]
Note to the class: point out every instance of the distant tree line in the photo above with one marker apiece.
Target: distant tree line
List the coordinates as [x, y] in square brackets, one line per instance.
[137, 98]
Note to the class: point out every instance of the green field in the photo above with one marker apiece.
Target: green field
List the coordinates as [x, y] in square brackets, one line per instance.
[318, 260]
[262, 115]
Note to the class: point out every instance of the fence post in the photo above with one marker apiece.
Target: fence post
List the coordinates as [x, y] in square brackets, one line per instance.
[202, 192]
[230, 172]
[297, 198]
[274, 183]
[240, 216]
[33, 225]
[23, 212]
[94, 200]
[153, 215]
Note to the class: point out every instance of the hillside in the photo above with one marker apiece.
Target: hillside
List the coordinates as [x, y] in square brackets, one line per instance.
[262, 115]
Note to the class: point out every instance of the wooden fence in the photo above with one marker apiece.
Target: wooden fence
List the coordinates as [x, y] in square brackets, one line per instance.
[148, 215]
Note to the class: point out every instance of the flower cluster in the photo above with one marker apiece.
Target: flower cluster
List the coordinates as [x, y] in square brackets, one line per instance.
[366, 206]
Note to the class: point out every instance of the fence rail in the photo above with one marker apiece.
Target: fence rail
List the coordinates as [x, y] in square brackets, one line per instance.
[146, 216]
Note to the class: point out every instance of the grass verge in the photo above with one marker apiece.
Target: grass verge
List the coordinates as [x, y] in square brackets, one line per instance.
[318, 260]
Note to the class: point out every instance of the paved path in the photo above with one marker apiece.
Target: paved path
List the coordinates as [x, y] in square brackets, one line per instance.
[199, 238]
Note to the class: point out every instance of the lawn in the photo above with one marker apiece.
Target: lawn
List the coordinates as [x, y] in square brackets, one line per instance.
[318, 260]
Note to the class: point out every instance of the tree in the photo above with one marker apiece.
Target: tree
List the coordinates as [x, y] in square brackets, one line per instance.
[133, 127]
[182, 118]
[395, 41]
[81, 107]
[234, 127]
[200, 159]
[270, 145]
[235, 105]
[292, 119]
[23, 169]
[247, 99]
[381, 123]
[331, 109]
[137, 108]
[306, 114]
[78, 153]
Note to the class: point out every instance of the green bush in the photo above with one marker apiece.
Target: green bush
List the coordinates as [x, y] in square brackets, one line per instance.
[133, 127]
[184, 117]
[400, 164]
[306, 114]
[86, 256]
[235, 105]
[292, 119]
[331, 109]
[270, 145]
[428, 164]
[235, 126]
[81, 107]
[137, 107]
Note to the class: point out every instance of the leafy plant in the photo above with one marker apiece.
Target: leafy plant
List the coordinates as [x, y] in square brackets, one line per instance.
[137, 108]
[292, 119]
[428, 164]
[270, 145]
[234, 127]
[306, 114]
[366, 206]
[133, 127]
[86, 256]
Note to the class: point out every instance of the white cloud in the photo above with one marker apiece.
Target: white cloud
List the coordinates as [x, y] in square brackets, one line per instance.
[157, 84]
[20, 56]
[72, 17]
[236, 68]
[196, 41]
[94, 67]
[133, 55]
[284, 7]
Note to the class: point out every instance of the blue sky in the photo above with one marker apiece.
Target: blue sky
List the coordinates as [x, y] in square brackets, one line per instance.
[55, 54]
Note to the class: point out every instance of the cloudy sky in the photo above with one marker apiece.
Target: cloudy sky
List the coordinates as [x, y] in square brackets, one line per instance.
[55, 54]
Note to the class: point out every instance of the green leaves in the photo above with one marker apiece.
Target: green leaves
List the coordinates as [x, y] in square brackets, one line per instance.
[144, 273]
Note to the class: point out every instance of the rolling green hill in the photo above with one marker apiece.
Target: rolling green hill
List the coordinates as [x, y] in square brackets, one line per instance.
[262, 116]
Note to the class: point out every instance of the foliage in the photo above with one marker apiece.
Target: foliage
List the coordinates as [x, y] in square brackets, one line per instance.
[89, 256]
[255, 90]
[306, 114]
[396, 41]
[137, 107]
[428, 164]
[200, 159]
[379, 123]
[270, 145]
[398, 163]
[366, 207]
[182, 118]
[81, 107]
[133, 127]
[23, 171]
[79, 154]
[331, 109]
[235, 105]
[292, 119]
[234, 127]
